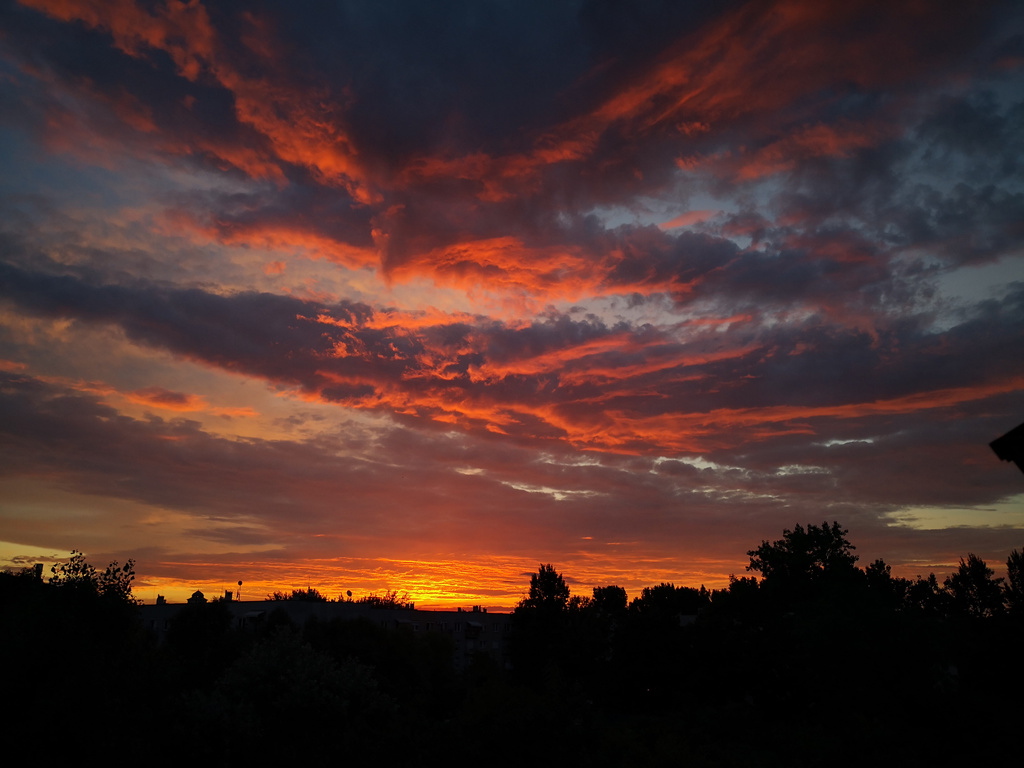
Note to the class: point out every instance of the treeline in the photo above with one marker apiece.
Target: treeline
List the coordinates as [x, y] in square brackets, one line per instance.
[86, 677]
[387, 599]
[817, 662]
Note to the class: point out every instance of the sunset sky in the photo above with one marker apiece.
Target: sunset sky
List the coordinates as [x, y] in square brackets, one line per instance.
[417, 296]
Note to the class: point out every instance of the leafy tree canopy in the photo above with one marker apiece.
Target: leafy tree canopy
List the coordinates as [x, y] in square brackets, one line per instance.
[610, 601]
[548, 590]
[114, 582]
[1015, 582]
[308, 595]
[669, 600]
[805, 556]
[974, 589]
[390, 599]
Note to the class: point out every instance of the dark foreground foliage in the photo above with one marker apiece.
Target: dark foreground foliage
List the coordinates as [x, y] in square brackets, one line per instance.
[818, 663]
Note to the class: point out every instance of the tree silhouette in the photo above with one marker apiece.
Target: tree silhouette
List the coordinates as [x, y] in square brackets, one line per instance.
[78, 655]
[974, 589]
[548, 590]
[76, 573]
[1014, 587]
[308, 595]
[115, 582]
[609, 601]
[885, 590]
[926, 596]
[594, 680]
[669, 602]
[390, 599]
[541, 625]
[803, 558]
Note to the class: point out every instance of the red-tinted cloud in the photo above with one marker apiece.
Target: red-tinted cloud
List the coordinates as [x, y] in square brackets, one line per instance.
[159, 397]
[299, 128]
[578, 382]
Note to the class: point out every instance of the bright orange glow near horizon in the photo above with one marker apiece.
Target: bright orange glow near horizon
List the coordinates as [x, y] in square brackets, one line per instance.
[497, 585]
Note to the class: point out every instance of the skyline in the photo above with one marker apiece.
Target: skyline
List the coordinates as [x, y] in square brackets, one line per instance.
[416, 298]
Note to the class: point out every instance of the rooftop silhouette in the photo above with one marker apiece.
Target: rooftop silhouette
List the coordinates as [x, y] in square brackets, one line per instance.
[1010, 447]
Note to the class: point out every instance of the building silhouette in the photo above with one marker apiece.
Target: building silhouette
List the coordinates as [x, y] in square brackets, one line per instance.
[1010, 447]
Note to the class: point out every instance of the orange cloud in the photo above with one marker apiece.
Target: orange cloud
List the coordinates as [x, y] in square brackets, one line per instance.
[290, 239]
[88, 123]
[503, 177]
[133, 112]
[243, 412]
[594, 422]
[250, 161]
[719, 321]
[814, 141]
[165, 399]
[605, 373]
[181, 29]
[507, 264]
[181, 402]
[614, 357]
[754, 60]
[697, 432]
[749, 64]
[428, 318]
[302, 128]
[688, 219]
